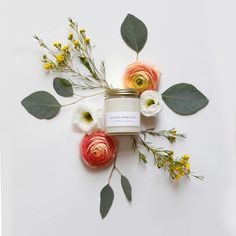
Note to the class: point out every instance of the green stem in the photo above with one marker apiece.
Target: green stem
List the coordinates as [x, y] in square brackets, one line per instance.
[82, 97]
[112, 170]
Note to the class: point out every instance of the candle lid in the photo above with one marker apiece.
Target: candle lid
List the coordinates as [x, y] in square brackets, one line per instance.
[122, 92]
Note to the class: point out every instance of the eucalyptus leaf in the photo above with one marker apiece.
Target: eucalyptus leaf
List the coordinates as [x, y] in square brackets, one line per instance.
[134, 33]
[107, 197]
[126, 187]
[63, 87]
[184, 99]
[41, 105]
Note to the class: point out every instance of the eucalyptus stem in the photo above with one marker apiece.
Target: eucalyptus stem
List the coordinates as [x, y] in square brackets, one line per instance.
[82, 97]
[112, 170]
[114, 167]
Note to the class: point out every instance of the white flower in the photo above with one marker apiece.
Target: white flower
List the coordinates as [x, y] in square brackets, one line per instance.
[151, 103]
[87, 117]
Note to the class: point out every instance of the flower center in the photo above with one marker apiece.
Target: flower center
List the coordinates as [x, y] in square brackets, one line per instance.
[87, 117]
[150, 102]
[139, 81]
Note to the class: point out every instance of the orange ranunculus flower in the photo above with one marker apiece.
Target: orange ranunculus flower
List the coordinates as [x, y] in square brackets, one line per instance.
[142, 76]
[98, 149]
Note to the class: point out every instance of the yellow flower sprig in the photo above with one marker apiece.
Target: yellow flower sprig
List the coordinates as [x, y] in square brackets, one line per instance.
[82, 45]
[164, 159]
[61, 59]
[47, 63]
[56, 60]
[170, 134]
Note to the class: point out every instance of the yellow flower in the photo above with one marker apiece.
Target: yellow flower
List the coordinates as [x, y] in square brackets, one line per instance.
[186, 156]
[172, 136]
[176, 168]
[76, 43]
[48, 66]
[187, 166]
[172, 139]
[87, 40]
[70, 36]
[57, 45]
[170, 153]
[178, 177]
[65, 49]
[82, 30]
[60, 58]
[173, 131]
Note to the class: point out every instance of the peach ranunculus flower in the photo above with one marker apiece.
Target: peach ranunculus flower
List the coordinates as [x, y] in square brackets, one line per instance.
[98, 149]
[142, 76]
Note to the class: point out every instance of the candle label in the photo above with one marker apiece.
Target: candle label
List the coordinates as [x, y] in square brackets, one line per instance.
[122, 118]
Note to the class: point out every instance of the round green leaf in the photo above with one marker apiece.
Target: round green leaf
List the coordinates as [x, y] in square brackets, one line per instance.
[184, 99]
[134, 33]
[63, 87]
[41, 105]
[126, 187]
[107, 196]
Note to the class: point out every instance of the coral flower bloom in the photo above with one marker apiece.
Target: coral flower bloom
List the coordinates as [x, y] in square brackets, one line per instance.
[142, 76]
[98, 149]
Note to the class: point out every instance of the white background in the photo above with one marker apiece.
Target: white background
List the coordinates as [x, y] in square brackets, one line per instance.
[46, 190]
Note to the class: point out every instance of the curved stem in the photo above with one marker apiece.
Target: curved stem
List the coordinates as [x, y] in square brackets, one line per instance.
[112, 170]
[83, 97]
[118, 170]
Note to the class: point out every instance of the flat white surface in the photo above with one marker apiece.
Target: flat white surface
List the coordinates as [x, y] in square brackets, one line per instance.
[46, 190]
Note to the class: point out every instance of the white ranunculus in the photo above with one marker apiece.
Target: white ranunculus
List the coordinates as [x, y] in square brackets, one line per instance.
[87, 117]
[151, 103]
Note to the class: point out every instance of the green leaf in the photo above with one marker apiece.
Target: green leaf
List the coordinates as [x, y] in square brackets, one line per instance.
[107, 197]
[41, 105]
[126, 187]
[134, 33]
[184, 99]
[63, 87]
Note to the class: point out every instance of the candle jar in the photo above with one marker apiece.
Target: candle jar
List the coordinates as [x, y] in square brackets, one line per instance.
[122, 112]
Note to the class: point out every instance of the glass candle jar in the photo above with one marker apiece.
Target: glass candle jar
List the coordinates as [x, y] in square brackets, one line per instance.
[122, 112]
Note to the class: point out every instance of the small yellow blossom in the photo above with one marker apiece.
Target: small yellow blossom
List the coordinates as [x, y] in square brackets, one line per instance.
[178, 177]
[180, 167]
[172, 139]
[60, 58]
[187, 166]
[172, 136]
[76, 43]
[65, 49]
[48, 66]
[70, 36]
[82, 58]
[87, 40]
[173, 131]
[57, 44]
[82, 30]
[171, 153]
[186, 157]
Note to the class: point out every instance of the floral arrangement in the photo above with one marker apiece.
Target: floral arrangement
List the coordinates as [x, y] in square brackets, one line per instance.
[79, 71]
